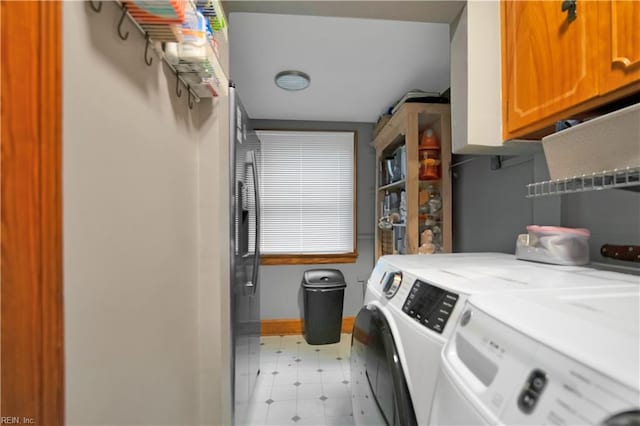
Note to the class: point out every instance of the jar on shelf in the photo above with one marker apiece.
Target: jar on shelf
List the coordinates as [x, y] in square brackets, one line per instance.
[430, 200]
[435, 200]
[429, 155]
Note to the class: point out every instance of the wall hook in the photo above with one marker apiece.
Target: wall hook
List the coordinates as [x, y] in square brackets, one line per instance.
[190, 97]
[96, 8]
[124, 13]
[178, 89]
[147, 59]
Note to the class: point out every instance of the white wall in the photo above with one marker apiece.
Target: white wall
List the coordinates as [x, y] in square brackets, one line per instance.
[213, 267]
[144, 300]
[475, 79]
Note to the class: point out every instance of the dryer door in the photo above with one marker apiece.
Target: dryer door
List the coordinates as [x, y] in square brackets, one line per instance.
[380, 392]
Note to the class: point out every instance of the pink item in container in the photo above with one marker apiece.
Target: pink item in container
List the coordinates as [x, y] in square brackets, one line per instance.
[557, 230]
[554, 244]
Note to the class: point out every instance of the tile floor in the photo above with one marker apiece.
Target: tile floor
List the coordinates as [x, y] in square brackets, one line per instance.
[301, 384]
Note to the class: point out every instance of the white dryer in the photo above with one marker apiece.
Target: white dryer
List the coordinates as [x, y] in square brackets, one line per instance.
[560, 357]
[412, 304]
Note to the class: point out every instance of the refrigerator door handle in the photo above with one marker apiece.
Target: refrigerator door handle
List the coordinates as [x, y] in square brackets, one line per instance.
[248, 289]
[240, 246]
[256, 248]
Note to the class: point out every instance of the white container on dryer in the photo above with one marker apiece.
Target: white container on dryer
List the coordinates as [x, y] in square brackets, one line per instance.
[412, 304]
[567, 357]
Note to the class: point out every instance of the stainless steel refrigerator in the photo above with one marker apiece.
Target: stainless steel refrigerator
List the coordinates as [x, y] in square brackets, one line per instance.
[245, 256]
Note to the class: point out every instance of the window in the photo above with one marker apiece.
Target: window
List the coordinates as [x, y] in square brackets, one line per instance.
[308, 197]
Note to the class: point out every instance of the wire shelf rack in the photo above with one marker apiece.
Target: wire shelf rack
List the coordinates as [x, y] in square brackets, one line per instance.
[211, 10]
[192, 93]
[617, 178]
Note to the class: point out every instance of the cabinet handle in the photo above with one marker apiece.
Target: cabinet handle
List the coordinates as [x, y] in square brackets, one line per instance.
[570, 6]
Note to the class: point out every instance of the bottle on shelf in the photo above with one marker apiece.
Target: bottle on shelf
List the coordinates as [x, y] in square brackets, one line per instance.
[400, 240]
[386, 210]
[429, 154]
[403, 207]
[435, 200]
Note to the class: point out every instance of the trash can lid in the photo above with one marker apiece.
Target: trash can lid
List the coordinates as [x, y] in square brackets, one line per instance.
[323, 278]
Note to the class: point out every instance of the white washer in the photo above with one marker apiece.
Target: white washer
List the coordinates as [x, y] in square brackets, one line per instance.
[411, 305]
[564, 357]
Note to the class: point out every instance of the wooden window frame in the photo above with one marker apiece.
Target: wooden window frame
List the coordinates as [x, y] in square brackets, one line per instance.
[321, 258]
[308, 259]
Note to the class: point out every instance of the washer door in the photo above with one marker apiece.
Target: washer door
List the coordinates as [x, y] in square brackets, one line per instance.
[380, 392]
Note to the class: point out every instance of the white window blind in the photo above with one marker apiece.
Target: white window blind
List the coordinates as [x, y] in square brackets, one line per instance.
[307, 192]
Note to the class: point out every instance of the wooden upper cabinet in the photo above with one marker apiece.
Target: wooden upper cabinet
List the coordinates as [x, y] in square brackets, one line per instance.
[548, 62]
[620, 43]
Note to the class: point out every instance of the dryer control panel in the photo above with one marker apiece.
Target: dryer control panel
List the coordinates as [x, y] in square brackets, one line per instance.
[517, 380]
[429, 305]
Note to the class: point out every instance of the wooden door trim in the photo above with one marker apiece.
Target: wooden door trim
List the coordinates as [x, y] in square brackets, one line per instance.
[51, 210]
[32, 359]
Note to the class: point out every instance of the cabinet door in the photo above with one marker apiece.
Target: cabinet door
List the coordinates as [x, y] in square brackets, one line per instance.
[620, 44]
[550, 63]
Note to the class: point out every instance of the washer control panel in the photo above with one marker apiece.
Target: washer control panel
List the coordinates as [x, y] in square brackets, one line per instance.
[429, 305]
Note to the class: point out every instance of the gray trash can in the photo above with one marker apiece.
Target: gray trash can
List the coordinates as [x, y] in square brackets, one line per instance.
[323, 297]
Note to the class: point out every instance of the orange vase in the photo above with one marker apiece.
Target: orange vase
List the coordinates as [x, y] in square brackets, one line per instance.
[429, 155]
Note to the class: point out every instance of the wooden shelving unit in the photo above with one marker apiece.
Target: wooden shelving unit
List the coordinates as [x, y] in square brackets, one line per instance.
[404, 128]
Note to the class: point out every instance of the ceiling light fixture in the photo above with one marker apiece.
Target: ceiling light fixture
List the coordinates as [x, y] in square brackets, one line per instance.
[292, 80]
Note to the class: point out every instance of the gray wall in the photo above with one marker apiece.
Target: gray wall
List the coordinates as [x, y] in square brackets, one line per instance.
[490, 208]
[143, 317]
[280, 284]
[613, 216]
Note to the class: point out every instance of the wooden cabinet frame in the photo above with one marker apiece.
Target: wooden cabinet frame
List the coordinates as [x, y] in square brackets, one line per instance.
[609, 82]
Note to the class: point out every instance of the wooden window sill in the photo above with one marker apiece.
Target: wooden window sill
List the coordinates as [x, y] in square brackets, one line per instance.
[308, 259]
